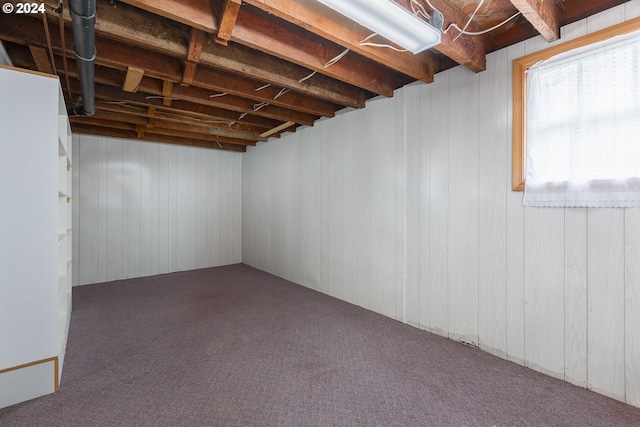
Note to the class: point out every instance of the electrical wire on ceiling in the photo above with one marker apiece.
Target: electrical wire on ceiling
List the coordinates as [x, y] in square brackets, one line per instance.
[388, 46]
[464, 29]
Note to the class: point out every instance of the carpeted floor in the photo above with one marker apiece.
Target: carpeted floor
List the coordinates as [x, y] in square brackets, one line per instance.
[234, 346]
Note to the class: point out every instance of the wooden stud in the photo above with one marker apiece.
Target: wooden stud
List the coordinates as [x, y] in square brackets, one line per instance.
[189, 72]
[228, 21]
[132, 79]
[41, 59]
[140, 131]
[543, 15]
[167, 87]
[277, 129]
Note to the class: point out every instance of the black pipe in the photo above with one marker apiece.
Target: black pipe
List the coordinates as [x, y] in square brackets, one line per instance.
[83, 20]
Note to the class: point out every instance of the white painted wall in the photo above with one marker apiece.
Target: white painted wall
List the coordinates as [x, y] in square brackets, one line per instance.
[406, 208]
[142, 208]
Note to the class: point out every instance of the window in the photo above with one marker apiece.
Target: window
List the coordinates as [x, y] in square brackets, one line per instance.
[584, 95]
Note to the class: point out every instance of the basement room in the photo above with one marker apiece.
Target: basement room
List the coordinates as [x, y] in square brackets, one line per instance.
[320, 213]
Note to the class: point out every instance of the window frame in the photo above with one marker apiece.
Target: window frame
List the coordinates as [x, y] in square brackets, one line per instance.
[519, 96]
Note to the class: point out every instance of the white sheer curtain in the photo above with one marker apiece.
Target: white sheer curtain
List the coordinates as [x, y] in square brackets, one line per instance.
[583, 127]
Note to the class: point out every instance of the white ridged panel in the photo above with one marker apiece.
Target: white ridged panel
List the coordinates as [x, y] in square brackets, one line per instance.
[606, 315]
[493, 173]
[544, 290]
[515, 238]
[86, 163]
[113, 207]
[463, 207]
[438, 205]
[414, 131]
[575, 296]
[632, 306]
[131, 205]
[470, 262]
[146, 208]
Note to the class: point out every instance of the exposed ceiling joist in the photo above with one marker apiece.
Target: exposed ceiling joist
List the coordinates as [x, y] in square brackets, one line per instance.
[324, 22]
[132, 79]
[543, 15]
[228, 21]
[226, 74]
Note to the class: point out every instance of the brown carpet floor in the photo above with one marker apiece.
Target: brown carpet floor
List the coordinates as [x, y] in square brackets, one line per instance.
[234, 346]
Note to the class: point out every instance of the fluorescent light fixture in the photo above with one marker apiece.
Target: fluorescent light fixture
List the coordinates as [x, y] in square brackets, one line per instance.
[390, 20]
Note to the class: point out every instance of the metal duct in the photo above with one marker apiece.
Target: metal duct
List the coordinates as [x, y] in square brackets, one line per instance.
[83, 18]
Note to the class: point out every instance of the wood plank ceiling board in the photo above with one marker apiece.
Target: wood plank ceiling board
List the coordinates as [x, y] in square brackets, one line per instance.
[226, 74]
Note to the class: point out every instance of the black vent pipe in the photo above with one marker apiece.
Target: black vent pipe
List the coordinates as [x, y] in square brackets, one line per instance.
[83, 19]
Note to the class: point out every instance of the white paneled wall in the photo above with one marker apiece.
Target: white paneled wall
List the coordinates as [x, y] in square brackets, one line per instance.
[406, 208]
[143, 208]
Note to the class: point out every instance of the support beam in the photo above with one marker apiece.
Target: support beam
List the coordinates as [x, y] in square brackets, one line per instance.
[277, 129]
[193, 56]
[228, 21]
[132, 79]
[469, 51]
[256, 32]
[194, 13]
[131, 134]
[167, 87]
[330, 25]
[41, 58]
[543, 15]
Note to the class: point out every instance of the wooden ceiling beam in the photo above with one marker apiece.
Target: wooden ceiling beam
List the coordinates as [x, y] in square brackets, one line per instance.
[171, 117]
[167, 88]
[194, 13]
[228, 21]
[250, 138]
[132, 79]
[132, 134]
[41, 58]
[326, 23]
[156, 95]
[107, 93]
[467, 50]
[257, 33]
[193, 56]
[144, 129]
[543, 15]
[277, 129]
[135, 27]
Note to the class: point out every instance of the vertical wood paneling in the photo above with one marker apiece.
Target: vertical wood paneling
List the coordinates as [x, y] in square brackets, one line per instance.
[103, 211]
[164, 229]
[463, 207]
[632, 306]
[539, 286]
[173, 207]
[413, 133]
[575, 296]
[544, 290]
[335, 215]
[350, 152]
[202, 253]
[606, 347]
[75, 193]
[149, 210]
[86, 162]
[364, 197]
[114, 239]
[492, 184]
[439, 210]
[515, 244]
[142, 208]
[131, 198]
[423, 114]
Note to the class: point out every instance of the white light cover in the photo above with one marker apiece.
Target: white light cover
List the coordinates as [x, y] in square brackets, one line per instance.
[390, 20]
